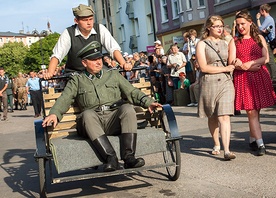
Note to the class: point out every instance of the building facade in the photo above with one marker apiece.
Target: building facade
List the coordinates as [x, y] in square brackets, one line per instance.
[27, 39]
[130, 22]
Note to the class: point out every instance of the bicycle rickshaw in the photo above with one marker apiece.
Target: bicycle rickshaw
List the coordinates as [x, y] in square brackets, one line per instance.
[59, 150]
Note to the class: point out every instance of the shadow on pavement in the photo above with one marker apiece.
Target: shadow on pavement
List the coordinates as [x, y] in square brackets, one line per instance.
[22, 172]
[202, 146]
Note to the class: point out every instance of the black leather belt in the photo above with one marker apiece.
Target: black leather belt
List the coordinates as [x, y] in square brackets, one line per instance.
[112, 107]
[103, 108]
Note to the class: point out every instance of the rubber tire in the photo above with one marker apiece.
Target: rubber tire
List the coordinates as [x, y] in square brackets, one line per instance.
[42, 177]
[173, 154]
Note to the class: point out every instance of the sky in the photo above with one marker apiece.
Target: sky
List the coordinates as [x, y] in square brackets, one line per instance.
[34, 14]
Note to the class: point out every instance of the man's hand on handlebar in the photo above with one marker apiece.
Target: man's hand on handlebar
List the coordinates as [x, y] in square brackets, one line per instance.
[48, 75]
[127, 66]
[50, 120]
[154, 106]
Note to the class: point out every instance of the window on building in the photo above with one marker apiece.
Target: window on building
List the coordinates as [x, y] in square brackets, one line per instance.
[103, 10]
[175, 9]
[164, 10]
[7, 40]
[136, 25]
[189, 4]
[149, 24]
[123, 33]
[109, 9]
[201, 3]
[1, 40]
[180, 6]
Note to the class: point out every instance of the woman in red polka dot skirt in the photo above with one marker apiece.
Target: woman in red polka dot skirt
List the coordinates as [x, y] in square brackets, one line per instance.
[253, 86]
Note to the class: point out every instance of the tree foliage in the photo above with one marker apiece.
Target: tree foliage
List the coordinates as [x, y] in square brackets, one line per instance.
[40, 52]
[12, 56]
[15, 57]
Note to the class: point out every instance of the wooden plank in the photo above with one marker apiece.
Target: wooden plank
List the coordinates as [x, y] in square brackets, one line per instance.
[63, 126]
[142, 85]
[48, 104]
[67, 118]
[71, 110]
[61, 134]
[51, 96]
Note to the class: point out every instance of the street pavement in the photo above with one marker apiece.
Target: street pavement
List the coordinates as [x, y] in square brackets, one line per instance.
[202, 174]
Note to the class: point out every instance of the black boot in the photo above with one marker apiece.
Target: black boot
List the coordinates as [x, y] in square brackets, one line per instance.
[128, 148]
[16, 105]
[106, 151]
[25, 106]
[20, 106]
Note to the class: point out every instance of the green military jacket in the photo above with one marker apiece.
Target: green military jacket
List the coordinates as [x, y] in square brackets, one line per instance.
[90, 93]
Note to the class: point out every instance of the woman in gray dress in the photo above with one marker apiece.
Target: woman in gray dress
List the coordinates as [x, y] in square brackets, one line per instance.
[216, 99]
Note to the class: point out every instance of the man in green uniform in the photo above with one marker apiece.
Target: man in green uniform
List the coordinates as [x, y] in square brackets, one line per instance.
[20, 88]
[98, 93]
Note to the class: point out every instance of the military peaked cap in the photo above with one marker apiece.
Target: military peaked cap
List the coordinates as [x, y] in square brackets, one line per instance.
[91, 51]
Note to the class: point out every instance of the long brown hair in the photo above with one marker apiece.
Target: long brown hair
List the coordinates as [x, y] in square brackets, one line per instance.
[254, 30]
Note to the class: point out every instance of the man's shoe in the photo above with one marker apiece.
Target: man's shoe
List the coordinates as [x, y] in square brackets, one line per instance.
[111, 165]
[107, 153]
[261, 151]
[36, 116]
[253, 146]
[132, 162]
[191, 105]
[128, 146]
[237, 112]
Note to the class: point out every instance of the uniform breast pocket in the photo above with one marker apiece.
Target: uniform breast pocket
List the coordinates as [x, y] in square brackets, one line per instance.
[112, 90]
[86, 98]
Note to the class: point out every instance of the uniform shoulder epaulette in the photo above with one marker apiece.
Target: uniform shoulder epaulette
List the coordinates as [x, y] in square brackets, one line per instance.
[75, 74]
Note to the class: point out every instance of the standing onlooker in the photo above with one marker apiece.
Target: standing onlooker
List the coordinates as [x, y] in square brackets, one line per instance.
[192, 42]
[33, 88]
[177, 63]
[22, 96]
[157, 90]
[158, 48]
[227, 33]
[166, 72]
[4, 81]
[108, 62]
[252, 82]
[185, 50]
[216, 99]
[10, 91]
[77, 36]
[194, 87]
[268, 31]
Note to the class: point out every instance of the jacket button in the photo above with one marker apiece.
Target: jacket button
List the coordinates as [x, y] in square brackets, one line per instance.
[219, 79]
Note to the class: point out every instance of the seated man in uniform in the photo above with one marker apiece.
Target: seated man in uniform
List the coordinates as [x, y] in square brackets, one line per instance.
[98, 92]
